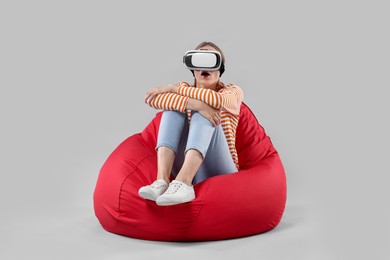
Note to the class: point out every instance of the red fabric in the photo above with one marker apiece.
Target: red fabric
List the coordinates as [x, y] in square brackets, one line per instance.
[248, 202]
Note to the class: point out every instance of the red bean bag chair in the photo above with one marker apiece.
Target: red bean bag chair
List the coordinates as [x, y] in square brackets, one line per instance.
[245, 203]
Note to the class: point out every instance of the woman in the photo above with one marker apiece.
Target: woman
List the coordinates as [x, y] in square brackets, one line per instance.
[196, 138]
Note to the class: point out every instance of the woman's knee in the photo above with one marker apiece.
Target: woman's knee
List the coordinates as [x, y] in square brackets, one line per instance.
[172, 113]
[197, 118]
[197, 115]
[173, 117]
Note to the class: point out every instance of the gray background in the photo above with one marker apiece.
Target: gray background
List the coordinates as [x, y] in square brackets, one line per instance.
[73, 77]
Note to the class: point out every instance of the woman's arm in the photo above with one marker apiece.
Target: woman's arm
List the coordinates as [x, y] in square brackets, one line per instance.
[229, 98]
[160, 90]
[166, 98]
[172, 101]
[168, 101]
[208, 112]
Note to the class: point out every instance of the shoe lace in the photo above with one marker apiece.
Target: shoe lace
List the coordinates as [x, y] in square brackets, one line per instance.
[174, 187]
[158, 184]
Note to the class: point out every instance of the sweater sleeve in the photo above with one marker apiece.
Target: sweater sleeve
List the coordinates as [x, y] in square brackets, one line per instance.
[229, 98]
[169, 101]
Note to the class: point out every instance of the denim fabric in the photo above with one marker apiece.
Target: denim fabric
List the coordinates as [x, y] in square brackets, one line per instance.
[176, 134]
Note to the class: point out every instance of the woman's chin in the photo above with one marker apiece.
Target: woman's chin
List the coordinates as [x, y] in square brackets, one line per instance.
[206, 82]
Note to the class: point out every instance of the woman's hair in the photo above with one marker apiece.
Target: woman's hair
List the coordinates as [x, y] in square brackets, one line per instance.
[222, 69]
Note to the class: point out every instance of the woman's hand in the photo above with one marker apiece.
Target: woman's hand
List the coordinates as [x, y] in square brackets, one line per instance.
[160, 90]
[211, 114]
[208, 112]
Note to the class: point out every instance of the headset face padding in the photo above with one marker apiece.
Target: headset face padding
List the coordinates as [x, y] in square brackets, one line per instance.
[202, 60]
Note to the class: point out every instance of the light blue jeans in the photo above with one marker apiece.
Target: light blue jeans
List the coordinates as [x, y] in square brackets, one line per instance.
[177, 134]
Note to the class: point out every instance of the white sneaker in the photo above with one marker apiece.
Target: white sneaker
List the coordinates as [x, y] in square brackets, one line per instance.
[152, 191]
[177, 192]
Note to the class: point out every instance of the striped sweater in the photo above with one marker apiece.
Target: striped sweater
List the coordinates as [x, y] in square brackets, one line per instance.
[227, 99]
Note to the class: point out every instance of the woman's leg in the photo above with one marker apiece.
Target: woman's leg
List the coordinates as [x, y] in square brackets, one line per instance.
[168, 141]
[199, 137]
[203, 140]
[207, 152]
[218, 159]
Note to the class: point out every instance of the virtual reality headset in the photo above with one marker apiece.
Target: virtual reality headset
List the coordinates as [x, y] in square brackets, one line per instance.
[202, 60]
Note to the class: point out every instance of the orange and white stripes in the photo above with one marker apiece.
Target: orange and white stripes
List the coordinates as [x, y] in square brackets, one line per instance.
[227, 99]
[169, 101]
